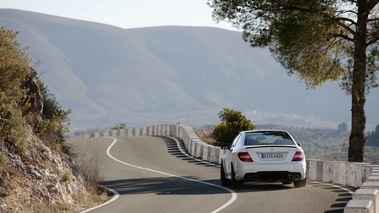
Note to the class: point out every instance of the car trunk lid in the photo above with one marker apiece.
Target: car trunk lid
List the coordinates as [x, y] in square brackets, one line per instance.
[272, 153]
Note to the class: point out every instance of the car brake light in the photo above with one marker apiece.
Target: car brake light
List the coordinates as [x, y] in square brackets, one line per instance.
[245, 157]
[299, 156]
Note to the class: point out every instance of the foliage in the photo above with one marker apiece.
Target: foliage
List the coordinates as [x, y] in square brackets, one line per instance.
[55, 119]
[232, 123]
[120, 126]
[318, 41]
[26, 106]
[343, 127]
[14, 68]
[30, 119]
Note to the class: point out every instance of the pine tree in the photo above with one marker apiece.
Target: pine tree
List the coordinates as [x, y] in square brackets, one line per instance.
[317, 40]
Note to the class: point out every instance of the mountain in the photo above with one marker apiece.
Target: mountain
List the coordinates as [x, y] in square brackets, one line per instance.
[143, 76]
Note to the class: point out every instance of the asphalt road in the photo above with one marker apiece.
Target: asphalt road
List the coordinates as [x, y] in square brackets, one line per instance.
[152, 175]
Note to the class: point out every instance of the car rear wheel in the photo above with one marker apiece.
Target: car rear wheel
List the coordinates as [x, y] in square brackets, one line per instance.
[300, 183]
[224, 180]
[235, 184]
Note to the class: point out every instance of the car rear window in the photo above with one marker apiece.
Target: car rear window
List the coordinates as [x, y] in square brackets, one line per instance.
[268, 138]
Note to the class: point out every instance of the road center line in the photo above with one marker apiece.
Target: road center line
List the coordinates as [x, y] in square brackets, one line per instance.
[232, 199]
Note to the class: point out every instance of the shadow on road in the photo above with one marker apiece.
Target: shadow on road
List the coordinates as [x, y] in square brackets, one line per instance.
[162, 186]
[343, 197]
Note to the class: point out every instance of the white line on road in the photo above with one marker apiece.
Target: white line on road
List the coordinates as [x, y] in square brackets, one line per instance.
[336, 186]
[115, 197]
[234, 194]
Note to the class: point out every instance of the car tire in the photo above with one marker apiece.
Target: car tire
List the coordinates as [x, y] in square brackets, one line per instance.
[223, 179]
[235, 184]
[300, 183]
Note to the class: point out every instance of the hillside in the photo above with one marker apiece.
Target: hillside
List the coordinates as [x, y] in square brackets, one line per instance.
[37, 170]
[108, 75]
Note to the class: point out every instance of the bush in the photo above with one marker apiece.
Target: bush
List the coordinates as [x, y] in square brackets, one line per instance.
[26, 106]
[232, 123]
[14, 68]
[55, 120]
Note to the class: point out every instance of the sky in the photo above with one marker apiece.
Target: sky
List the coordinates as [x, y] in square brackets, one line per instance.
[126, 13]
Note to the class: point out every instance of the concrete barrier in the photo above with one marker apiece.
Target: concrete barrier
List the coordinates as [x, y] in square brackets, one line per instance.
[373, 178]
[370, 185]
[359, 206]
[206, 152]
[368, 194]
[199, 149]
[215, 155]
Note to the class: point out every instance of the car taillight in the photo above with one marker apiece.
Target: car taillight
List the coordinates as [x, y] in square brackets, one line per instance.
[299, 156]
[245, 157]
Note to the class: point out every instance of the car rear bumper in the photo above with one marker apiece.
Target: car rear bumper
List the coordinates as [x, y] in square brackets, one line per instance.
[291, 171]
[273, 176]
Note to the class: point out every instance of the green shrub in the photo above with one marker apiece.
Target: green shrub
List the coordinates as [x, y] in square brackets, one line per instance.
[21, 97]
[14, 68]
[55, 119]
[232, 123]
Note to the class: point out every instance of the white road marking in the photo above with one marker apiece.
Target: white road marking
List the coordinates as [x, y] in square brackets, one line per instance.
[234, 194]
[232, 199]
[115, 197]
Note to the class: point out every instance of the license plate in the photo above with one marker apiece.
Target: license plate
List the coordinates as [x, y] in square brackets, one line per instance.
[272, 155]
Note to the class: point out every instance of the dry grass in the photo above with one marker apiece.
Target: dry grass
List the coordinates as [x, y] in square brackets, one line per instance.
[90, 168]
[95, 198]
[205, 136]
[89, 165]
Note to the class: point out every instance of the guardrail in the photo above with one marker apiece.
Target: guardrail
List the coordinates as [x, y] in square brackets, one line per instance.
[364, 176]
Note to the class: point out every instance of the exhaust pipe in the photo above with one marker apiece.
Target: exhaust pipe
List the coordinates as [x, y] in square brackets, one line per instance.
[252, 177]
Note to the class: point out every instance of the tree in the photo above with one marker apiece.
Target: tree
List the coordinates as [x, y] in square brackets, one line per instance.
[343, 127]
[373, 137]
[318, 40]
[232, 123]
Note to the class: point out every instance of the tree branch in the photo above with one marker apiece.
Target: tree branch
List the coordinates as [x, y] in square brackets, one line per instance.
[373, 3]
[340, 22]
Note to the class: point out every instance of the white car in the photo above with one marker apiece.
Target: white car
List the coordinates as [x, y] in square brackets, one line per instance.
[264, 156]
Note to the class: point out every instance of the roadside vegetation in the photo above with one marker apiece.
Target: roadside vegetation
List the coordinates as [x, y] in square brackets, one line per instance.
[37, 173]
[232, 122]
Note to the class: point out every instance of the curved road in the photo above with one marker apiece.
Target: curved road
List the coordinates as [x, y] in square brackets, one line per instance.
[152, 175]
